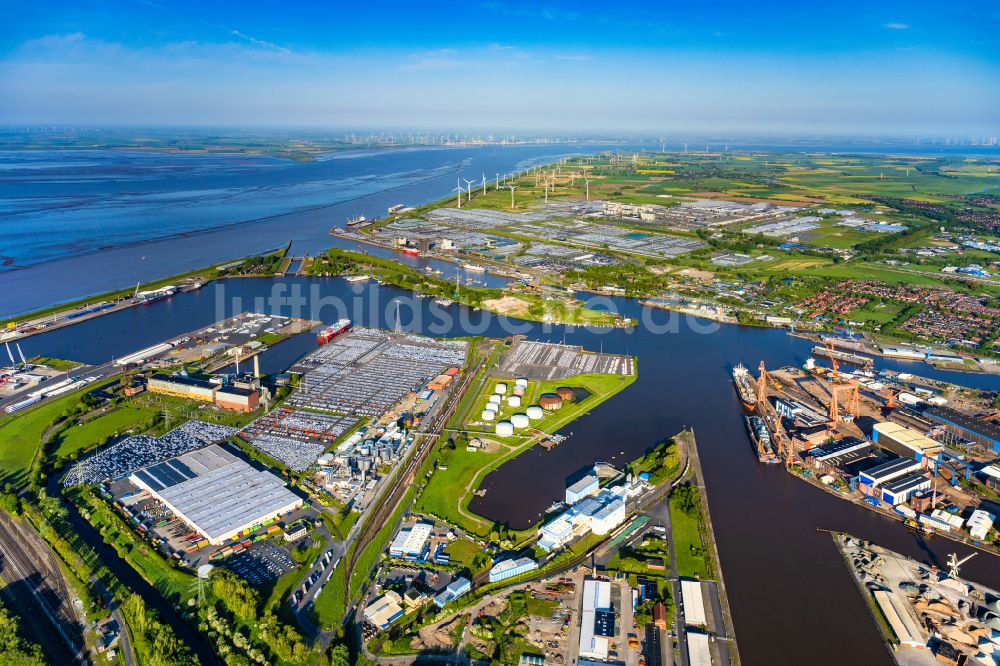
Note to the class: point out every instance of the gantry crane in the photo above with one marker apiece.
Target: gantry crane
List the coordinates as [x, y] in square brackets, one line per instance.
[782, 443]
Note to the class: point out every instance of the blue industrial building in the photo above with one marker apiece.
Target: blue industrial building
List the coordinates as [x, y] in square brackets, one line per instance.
[963, 427]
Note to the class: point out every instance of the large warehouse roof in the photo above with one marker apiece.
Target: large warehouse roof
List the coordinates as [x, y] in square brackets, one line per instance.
[217, 492]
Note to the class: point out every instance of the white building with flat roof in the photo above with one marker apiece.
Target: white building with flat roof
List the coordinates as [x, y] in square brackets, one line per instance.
[980, 523]
[694, 603]
[216, 492]
[596, 597]
[411, 541]
[585, 487]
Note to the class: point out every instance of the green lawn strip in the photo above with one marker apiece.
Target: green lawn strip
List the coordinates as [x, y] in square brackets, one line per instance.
[60, 364]
[689, 547]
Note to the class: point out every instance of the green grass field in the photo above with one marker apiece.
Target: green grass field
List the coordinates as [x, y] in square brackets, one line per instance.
[877, 313]
[55, 363]
[86, 435]
[21, 434]
[689, 548]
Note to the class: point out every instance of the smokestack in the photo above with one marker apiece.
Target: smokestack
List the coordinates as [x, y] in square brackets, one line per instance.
[256, 366]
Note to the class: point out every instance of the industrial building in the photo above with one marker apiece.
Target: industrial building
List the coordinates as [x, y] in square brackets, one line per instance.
[384, 611]
[217, 493]
[699, 652]
[980, 523]
[599, 514]
[694, 603]
[411, 542]
[839, 454]
[183, 387]
[901, 490]
[585, 487]
[511, 568]
[455, 589]
[904, 441]
[888, 471]
[594, 643]
[242, 395]
[965, 427]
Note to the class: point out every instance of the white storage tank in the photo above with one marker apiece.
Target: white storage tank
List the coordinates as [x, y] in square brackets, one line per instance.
[519, 420]
[514, 401]
[521, 383]
[505, 428]
[501, 388]
[535, 412]
[494, 399]
[489, 414]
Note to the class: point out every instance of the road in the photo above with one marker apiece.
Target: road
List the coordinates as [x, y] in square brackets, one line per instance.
[35, 582]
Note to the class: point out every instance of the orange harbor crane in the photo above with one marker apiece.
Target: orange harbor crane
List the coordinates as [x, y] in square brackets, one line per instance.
[783, 443]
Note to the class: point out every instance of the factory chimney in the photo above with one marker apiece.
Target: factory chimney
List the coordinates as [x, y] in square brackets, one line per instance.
[256, 366]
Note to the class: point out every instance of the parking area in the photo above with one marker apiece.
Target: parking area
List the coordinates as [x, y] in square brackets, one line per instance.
[263, 563]
[365, 372]
[296, 437]
[133, 453]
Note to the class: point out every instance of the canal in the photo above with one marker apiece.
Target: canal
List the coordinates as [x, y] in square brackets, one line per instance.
[791, 595]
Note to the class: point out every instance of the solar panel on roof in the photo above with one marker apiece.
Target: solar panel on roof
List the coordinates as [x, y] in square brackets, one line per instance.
[183, 469]
[149, 481]
[165, 475]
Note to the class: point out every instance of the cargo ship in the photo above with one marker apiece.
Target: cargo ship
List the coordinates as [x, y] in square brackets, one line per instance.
[760, 437]
[744, 386]
[474, 268]
[330, 332]
[155, 296]
[411, 250]
[356, 221]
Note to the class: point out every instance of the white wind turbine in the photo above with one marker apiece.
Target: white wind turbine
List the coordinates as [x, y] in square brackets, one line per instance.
[459, 190]
[512, 188]
[484, 183]
[468, 188]
[586, 182]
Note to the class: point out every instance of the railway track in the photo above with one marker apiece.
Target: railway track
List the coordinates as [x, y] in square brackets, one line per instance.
[427, 438]
[34, 579]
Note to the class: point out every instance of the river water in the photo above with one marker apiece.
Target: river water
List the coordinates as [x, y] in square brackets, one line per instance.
[792, 597]
[79, 223]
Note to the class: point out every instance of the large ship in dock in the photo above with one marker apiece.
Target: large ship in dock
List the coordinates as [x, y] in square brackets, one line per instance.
[155, 295]
[744, 386]
[330, 332]
[760, 437]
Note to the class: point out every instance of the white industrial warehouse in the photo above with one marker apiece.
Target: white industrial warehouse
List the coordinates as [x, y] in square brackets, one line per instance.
[217, 493]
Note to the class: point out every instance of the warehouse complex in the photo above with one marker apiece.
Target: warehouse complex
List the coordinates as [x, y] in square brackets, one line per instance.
[217, 493]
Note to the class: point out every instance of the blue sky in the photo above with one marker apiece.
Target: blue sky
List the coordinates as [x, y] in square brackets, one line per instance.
[888, 68]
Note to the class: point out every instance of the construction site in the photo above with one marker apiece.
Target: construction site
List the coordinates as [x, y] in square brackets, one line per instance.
[885, 440]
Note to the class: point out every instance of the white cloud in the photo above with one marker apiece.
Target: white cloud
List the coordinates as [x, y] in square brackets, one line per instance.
[896, 26]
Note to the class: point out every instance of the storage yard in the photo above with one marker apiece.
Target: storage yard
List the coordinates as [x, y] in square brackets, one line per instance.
[929, 614]
[366, 372]
[296, 438]
[543, 361]
[133, 453]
